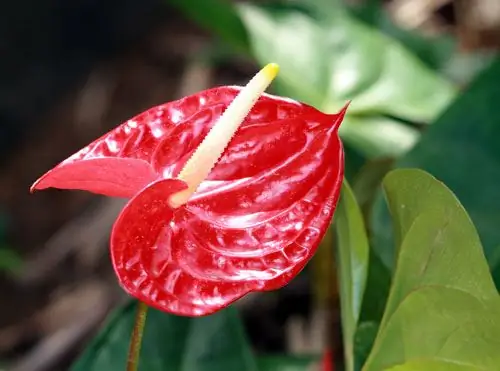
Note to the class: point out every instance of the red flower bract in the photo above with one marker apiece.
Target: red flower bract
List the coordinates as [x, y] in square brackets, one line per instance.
[253, 223]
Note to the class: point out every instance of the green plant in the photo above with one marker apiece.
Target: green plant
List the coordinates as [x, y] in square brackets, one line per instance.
[415, 287]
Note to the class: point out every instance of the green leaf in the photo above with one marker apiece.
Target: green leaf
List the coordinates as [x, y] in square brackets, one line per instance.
[353, 252]
[354, 161]
[432, 365]
[436, 51]
[209, 343]
[368, 180]
[326, 60]
[218, 16]
[328, 57]
[286, 363]
[439, 52]
[461, 149]
[443, 305]
[377, 136]
[376, 291]
[363, 342]
[10, 261]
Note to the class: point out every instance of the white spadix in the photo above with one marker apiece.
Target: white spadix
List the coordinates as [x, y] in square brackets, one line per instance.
[211, 148]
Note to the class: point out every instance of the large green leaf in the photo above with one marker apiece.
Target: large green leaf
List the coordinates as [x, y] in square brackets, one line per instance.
[328, 57]
[431, 365]
[443, 306]
[218, 16]
[434, 51]
[286, 363]
[378, 136]
[331, 57]
[353, 253]
[363, 342]
[209, 343]
[462, 150]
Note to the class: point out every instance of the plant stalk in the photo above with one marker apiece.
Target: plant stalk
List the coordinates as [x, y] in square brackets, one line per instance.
[134, 349]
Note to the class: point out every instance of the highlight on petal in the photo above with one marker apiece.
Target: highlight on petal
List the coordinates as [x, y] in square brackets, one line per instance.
[146, 266]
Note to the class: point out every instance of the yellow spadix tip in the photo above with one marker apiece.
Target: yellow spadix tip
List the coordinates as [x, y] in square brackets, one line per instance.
[213, 145]
[271, 70]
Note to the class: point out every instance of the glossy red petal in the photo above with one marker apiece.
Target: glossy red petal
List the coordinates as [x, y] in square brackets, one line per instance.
[243, 235]
[115, 177]
[143, 258]
[157, 143]
[252, 225]
[263, 228]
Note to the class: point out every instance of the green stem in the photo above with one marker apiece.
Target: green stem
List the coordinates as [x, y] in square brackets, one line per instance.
[134, 349]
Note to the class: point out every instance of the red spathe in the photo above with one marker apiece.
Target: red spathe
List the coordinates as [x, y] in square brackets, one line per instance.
[252, 225]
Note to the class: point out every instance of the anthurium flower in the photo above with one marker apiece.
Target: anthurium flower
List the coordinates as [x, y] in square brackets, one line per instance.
[231, 191]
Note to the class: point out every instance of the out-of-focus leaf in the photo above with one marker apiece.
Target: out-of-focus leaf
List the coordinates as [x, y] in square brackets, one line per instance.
[331, 58]
[363, 342]
[218, 16]
[432, 365]
[443, 305]
[286, 363]
[377, 136]
[326, 60]
[436, 52]
[10, 261]
[462, 150]
[212, 343]
[353, 253]
[368, 180]
[439, 52]
[463, 67]
[354, 161]
[328, 57]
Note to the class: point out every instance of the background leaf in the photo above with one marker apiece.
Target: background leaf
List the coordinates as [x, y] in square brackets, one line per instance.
[10, 261]
[215, 342]
[442, 290]
[433, 365]
[363, 342]
[218, 16]
[436, 51]
[286, 363]
[330, 58]
[461, 149]
[353, 253]
[378, 136]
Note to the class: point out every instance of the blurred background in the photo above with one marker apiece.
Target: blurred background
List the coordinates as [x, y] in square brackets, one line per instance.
[70, 71]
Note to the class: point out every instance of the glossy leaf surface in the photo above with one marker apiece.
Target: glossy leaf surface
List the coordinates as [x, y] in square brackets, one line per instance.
[214, 343]
[462, 150]
[353, 253]
[252, 224]
[443, 306]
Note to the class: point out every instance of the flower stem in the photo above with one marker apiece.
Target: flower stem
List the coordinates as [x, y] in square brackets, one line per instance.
[134, 349]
